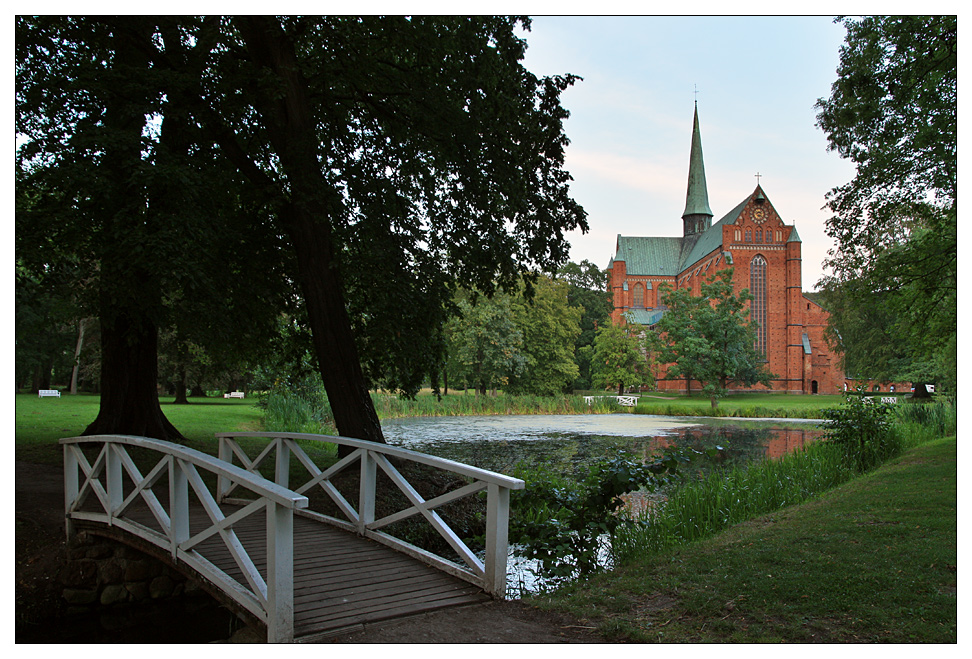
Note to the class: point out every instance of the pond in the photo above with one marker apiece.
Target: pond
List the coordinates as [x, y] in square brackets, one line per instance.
[569, 442]
[500, 443]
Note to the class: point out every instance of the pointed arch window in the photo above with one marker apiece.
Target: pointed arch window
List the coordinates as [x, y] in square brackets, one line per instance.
[757, 307]
[639, 296]
[749, 235]
[759, 235]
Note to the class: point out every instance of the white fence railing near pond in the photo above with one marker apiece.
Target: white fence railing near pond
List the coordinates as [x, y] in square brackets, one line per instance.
[624, 401]
[270, 600]
[489, 574]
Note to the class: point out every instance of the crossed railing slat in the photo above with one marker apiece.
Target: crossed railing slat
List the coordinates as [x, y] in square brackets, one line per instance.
[270, 599]
[489, 573]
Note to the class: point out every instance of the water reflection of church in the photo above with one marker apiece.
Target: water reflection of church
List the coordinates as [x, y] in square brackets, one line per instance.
[743, 444]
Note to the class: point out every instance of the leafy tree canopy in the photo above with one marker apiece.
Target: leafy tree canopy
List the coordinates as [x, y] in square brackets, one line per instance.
[549, 326]
[892, 111]
[709, 338]
[617, 359]
[386, 161]
[485, 343]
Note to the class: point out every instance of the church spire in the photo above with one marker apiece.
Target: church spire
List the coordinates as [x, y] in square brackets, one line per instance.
[697, 216]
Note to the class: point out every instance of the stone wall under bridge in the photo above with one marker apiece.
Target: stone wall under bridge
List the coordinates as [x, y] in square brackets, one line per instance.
[105, 577]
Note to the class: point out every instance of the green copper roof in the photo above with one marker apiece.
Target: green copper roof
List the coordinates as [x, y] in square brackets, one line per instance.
[646, 316]
[650, 256]
[709, 241]
[697, 196]
[794, 236]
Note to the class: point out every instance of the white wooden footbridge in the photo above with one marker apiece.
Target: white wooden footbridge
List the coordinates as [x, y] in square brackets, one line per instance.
[300, 572]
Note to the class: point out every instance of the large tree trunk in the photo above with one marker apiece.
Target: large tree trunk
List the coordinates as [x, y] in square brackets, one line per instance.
[337, 356]
[77, 357]
[129, 290]
[304, 212]
[180, 388]
[129, 370]
[921, 391]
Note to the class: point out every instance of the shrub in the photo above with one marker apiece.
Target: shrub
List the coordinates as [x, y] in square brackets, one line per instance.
[862, 426]
[297, 407]
[562, 521]
[919, 422]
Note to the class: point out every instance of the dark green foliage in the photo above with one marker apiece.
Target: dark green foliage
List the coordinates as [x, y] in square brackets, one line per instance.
[616, 359]
[587, 289]
[862, 426]
[485, 345]
[549, 326]
[709, 338]
[299, 406]
[893, 112]
[210, 165]
[559, 519]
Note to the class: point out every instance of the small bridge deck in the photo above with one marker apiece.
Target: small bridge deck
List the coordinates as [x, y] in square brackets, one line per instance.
[340, 579]
[300, 572]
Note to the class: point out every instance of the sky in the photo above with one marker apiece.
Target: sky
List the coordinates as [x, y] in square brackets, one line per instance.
[756, 80]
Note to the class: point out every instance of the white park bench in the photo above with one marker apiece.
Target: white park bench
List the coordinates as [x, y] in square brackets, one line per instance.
[234, 394]
[41, 393]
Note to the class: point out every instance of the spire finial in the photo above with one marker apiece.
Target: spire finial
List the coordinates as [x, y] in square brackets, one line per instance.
[757, 178]
[697, 215]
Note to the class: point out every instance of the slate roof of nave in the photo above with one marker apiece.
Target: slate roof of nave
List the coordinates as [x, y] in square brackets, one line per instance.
[664, 256]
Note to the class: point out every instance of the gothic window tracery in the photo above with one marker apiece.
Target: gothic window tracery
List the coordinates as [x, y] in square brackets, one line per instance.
[757, 287]
[749, 235]
[639, 296]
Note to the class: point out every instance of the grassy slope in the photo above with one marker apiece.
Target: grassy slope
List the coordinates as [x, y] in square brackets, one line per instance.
[872, 560]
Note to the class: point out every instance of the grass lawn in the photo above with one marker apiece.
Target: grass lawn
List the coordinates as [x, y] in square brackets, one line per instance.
[873, 560]
[754, 405]
[40, 422]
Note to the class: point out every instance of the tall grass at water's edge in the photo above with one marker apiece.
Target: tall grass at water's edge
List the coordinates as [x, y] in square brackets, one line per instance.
[753, 412]
[390, 406]
[721, 499]
[724, 498]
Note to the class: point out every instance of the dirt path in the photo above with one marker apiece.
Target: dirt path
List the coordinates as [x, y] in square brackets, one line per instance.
[41, 554]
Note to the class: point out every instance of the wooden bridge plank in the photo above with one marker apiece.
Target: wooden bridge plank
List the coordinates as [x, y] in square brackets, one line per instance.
[340, 579]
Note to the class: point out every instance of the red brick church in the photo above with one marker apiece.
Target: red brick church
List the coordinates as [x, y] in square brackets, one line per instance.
[764, 253]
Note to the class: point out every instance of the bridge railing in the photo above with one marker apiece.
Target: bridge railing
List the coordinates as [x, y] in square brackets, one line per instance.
[489, 574]
[178, 471]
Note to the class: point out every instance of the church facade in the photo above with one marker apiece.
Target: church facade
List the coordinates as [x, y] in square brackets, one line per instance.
[765, 254]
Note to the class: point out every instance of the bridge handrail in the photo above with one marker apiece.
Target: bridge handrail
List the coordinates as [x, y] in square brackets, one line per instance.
[490, 574]
[270, 599]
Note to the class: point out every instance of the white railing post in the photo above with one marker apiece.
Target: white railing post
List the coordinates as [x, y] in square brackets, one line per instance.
[497, 539]
[70, 488]
[282, 473]
[366, 491]
[178, 505]
[113, 479]
[223, 484]
[280, 573]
